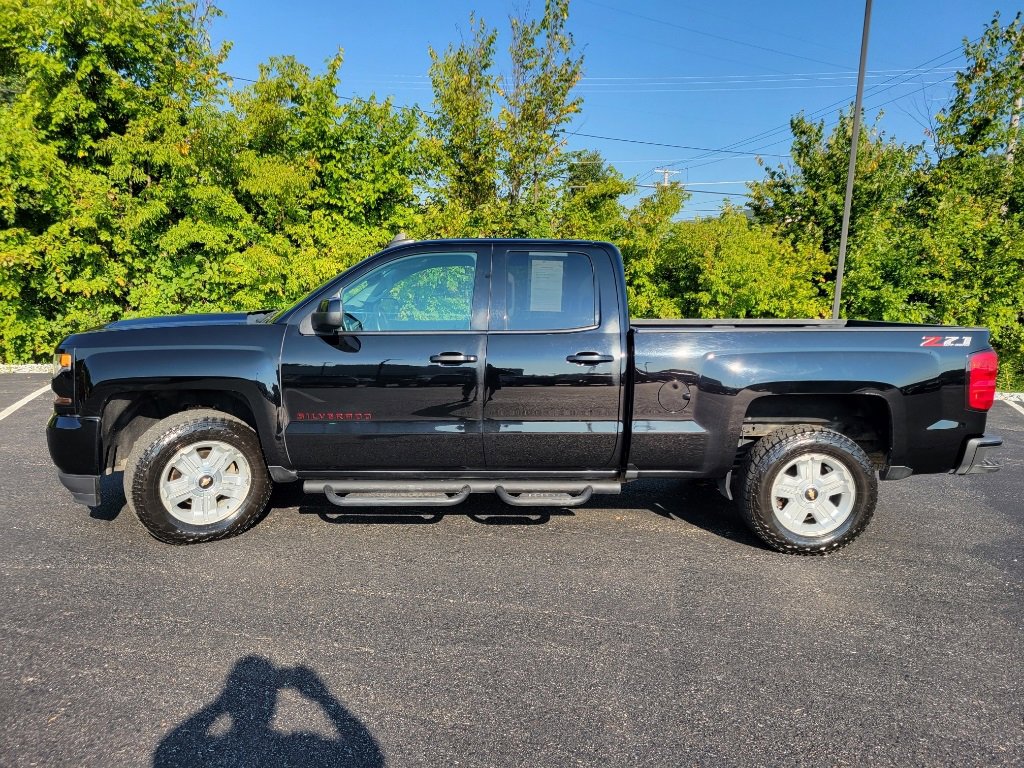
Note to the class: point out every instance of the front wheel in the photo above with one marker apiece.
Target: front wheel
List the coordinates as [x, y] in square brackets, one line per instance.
[197, 476]
[807, 490]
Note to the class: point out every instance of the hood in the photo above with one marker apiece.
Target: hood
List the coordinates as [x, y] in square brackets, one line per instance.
[171, 321]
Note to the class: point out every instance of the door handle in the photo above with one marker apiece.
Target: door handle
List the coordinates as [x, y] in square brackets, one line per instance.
[452, 358]
[589, 358]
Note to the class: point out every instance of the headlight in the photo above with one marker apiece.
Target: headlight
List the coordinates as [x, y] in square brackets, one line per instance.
[61, 363]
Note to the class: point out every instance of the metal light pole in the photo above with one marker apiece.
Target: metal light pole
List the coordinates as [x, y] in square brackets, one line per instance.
[853, 161]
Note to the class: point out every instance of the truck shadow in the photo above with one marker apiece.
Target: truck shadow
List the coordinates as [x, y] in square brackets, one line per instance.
[237, 728]
[113, 499]
[697, 503]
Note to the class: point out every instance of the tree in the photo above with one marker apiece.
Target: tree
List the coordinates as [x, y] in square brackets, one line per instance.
[462, 134]
[805, 200]
[496, 143]
[969, 215]
[645, 230]
[589, 204]
[538, 104]
[100, 101]
[128, 188]
[730, 267]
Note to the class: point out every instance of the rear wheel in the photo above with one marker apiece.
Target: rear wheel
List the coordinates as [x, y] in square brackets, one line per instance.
[807, 490]
[197, 476]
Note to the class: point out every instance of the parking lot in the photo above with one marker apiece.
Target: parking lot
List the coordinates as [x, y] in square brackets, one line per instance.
[643, 629]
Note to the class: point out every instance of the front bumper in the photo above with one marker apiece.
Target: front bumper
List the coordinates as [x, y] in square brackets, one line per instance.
[978, 457]
[74, 444]
[84, 488]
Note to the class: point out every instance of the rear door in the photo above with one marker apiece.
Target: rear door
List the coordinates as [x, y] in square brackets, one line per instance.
[552, 394]
[399, 386]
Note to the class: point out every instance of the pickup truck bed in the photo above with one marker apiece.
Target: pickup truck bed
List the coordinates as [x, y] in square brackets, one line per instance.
[435, 370]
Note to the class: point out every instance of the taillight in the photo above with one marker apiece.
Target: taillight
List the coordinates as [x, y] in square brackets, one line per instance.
[982, 368]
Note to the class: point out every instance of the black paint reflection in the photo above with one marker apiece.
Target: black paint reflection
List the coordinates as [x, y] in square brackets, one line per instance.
[377, 401]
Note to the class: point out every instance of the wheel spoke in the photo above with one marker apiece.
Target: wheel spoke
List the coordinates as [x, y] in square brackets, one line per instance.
[218, 459]
[177, 491]
[203, 505]
[824, 511]
[836, 483]
[233, 486]
[787, 489]
[189, 463]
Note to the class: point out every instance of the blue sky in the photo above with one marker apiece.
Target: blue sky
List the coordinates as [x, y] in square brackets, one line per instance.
[690, 73]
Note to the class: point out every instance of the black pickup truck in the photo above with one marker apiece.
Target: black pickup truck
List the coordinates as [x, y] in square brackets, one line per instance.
[434, 370]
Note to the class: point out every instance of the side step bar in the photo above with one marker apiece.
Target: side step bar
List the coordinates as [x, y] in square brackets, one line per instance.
[446, 493]
[534, 499]
[408, 499]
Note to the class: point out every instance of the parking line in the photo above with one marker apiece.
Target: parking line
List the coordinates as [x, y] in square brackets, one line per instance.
[29, 398]
[1014, 406]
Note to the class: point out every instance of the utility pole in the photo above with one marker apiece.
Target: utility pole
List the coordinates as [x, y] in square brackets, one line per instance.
[848, 201]
[665, 172]
[1011, 149]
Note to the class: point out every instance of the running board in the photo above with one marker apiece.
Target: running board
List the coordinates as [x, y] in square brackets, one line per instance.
[534, 499]
[446, 493]
[401, 499]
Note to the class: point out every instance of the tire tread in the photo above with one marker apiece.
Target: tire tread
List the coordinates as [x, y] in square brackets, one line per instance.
[767, 451]
[139, 462]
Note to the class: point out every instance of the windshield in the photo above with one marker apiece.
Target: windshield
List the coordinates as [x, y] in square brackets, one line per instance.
[282, 313]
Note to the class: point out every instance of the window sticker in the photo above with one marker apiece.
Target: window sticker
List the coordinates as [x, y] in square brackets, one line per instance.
[546, 285]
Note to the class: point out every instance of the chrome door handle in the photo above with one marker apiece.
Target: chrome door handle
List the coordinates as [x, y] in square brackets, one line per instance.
[589, 358]
[452, 358]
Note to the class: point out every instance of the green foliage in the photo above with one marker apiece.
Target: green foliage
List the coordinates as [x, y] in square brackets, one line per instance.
[129, 189]
[135, 179]
[495, 144]
[589, 205]
[933, 238]
[729, 267]
[643, 250]
[805, 201]
[462, 135]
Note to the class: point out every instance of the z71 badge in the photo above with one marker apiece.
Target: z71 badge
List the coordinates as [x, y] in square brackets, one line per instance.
[946, 341]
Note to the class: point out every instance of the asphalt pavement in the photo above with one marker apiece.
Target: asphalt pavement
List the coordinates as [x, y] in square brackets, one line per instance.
[647, 629]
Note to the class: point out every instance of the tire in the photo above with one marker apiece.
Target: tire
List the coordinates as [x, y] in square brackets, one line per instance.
[197, 476]
[806, 490]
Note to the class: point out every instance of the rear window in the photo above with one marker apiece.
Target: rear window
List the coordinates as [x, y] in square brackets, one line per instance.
[547, 290]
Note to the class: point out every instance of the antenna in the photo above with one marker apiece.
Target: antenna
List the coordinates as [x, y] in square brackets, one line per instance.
[399, 239]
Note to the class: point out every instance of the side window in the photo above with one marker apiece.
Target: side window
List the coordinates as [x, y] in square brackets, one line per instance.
[547, 291]
[426, 292]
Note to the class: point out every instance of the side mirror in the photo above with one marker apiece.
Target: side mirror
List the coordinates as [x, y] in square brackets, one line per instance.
[328, 317]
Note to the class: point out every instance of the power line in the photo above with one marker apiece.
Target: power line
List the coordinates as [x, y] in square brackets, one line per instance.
[875, 90]
[661, 144]
[738, 90]
[716, 37]
[851, 74]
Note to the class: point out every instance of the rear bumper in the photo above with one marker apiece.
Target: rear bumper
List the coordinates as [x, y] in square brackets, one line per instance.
[84, 488]
[978, 458]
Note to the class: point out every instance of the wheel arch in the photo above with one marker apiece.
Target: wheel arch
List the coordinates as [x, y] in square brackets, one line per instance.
[866, 418]
[126, 415]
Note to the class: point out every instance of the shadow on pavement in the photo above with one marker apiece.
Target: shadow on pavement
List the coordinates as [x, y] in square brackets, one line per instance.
[697, 503]
[236, 729]
[112, 494]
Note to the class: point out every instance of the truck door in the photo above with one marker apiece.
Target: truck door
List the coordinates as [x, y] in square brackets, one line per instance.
[552, 394]
[399, 386]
